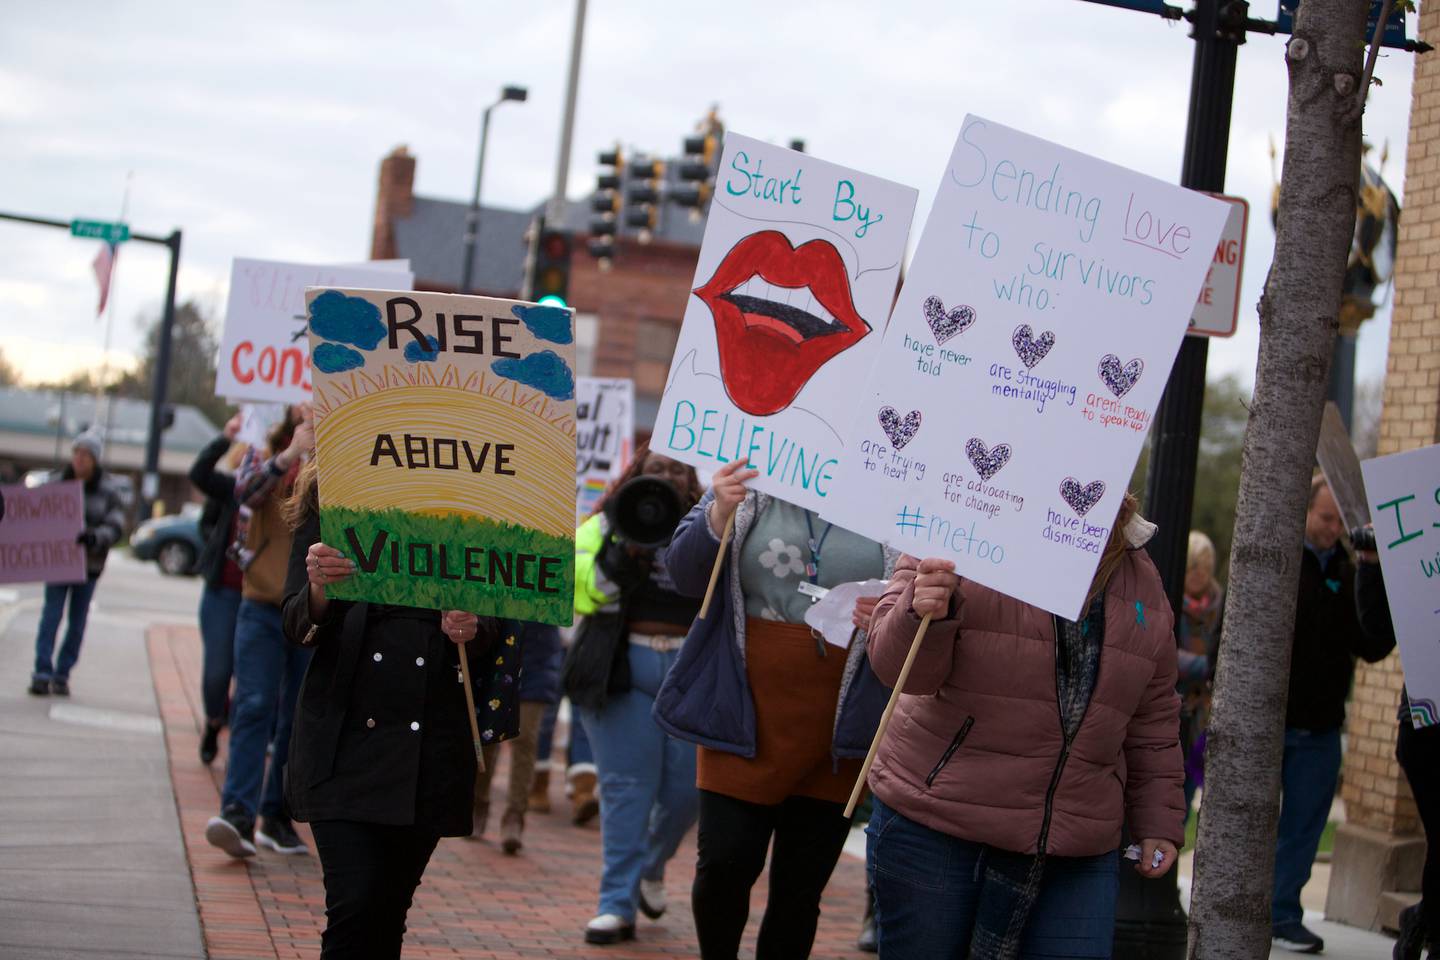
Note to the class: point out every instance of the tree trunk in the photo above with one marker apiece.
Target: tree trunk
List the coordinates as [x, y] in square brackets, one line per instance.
[1235, 852]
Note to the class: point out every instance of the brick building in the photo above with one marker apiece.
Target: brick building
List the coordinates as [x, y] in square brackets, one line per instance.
[627, 316]
[1379, 850]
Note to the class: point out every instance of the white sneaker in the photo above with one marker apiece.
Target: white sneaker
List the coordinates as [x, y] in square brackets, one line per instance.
[652, 898]
[609, 928]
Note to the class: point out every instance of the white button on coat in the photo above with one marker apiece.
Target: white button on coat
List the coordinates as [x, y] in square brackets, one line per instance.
[419, 661]
[415, 725]
[370, 723]
[378, 658]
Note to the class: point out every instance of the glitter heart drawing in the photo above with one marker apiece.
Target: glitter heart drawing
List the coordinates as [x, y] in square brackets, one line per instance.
[986, 461]
[1081, 499]
[900, 430]
[1120, 379]
[1030, 348]
[947, 325]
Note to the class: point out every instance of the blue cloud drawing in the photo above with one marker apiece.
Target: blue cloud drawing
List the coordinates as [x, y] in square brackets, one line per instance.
[416, 353]
[352, 320]
[547, 323]
[545, 371]
[333, 358]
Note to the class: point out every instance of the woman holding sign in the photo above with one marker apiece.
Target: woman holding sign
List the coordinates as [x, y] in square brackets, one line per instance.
[1024, 743]
[382, 764]
[782, 718]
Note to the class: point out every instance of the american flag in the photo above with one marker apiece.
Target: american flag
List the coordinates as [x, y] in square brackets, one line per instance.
[104, 266]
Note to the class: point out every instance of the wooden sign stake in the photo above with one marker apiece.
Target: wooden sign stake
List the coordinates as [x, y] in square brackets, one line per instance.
[885, 717]
[719, 561]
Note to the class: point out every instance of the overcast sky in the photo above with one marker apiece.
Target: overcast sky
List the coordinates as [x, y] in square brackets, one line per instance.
[258, 128]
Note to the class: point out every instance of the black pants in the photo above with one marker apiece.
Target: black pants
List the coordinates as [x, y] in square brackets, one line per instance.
[1419, 754]
[734, 835]
[371, 872]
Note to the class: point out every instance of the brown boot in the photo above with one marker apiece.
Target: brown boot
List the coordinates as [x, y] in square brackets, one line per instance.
[583, 803]
[482, 819]
[540, 792]
[511, 826]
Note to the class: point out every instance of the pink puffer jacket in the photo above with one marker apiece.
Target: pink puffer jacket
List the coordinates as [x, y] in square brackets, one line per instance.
[976, 742]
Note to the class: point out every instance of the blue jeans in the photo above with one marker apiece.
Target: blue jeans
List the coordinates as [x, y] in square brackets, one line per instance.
[1308, 776]
[268, 671]
[577, 752]
[928, 884]
[80, 595]
[219, 606]
[648, 798]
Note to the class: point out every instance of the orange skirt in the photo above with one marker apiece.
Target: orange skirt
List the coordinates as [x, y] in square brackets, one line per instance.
[795, 692]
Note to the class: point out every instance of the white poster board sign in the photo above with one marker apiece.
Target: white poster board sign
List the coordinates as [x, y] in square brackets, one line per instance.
[604, 436]
[1404, 494]
[264, 353]
[1041, 314]
[38, 530]
[794, 281]
[1217, 310]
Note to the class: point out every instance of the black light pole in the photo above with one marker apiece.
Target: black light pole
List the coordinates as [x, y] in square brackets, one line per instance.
[150, 484]
[1149, 923]
[472, 217]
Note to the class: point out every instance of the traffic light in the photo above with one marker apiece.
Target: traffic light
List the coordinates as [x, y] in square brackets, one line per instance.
[642, 198]
[552, 268]
[606, 202]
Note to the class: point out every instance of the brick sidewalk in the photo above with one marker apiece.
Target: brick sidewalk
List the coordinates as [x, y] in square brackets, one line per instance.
[475, 902]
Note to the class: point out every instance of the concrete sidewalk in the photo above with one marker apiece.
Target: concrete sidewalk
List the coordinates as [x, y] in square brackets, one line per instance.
[91, 863]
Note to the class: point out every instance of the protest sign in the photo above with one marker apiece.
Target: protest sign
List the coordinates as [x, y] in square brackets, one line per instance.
[258, 419]
[264, 354]
[1040, 316]
[604, 436]
[38, 527]
[794, 281]
[445, 439]
[1403, 493]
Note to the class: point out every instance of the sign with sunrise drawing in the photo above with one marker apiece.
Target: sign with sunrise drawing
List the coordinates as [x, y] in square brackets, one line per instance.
[445, 439]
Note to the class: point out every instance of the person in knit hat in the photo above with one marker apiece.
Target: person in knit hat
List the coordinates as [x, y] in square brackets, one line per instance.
[104, 523]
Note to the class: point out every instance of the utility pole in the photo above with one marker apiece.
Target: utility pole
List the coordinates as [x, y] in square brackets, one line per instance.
[555, 215]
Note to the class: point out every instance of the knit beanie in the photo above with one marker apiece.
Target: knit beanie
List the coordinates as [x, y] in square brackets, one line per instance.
[92, 441]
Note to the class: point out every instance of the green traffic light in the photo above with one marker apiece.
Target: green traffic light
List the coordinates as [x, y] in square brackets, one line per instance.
[550, 300]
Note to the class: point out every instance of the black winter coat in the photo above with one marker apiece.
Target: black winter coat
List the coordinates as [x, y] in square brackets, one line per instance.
[219, 489]
[381, 733]
[1328, 638]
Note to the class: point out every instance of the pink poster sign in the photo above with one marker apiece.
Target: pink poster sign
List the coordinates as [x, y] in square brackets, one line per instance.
[38, 527]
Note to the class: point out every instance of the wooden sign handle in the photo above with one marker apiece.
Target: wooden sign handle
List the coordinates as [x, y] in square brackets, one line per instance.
[885, 717]
[719, 561]
[470, 702]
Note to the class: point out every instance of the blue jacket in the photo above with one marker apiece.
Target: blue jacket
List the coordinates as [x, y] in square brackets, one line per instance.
[705, 698]
[540, 659]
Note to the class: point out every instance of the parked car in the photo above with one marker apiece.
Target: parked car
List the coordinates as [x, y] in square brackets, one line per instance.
[173, 542]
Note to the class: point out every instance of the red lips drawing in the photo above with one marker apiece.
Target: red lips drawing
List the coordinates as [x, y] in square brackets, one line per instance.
[781, 313]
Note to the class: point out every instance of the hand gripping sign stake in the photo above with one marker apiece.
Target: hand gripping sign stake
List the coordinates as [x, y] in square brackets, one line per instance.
[719, 559]
[885, 717]
[470, 702]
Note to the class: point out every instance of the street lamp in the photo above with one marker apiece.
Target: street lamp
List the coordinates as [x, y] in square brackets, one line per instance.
[472, 217]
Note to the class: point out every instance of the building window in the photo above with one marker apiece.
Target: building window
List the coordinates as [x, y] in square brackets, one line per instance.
[654, 346]
[587, 335]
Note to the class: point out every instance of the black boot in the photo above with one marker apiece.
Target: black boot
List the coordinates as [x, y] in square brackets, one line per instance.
[210, 743]
[1412, 934]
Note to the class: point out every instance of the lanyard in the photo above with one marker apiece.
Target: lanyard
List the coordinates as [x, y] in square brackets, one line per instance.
[812, 569]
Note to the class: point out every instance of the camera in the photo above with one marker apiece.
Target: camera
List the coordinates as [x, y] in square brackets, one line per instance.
[1363, 539]
[645, 512]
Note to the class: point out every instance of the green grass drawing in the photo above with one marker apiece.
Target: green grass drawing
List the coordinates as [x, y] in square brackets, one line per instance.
[456, 533]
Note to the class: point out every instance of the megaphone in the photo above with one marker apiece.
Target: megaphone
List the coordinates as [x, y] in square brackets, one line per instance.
[645, 512]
